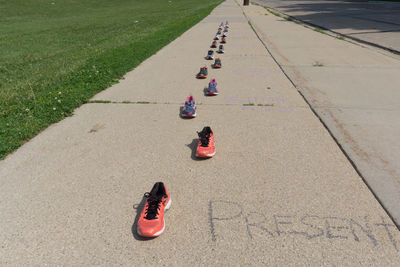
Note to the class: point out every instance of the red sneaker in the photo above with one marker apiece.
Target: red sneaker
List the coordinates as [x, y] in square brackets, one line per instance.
[206, 145]
[151, 222]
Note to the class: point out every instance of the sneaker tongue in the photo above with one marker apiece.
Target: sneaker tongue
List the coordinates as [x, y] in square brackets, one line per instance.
[204, 137]
[153, 203]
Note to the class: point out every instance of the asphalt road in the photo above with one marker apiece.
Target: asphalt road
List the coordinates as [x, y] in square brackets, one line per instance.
[374, 22]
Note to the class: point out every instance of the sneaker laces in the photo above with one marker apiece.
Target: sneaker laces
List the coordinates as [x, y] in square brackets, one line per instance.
[153, 206]
[204, 138]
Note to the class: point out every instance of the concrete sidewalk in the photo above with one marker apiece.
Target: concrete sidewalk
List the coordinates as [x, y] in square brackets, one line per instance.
[353, 88]
[278, 192]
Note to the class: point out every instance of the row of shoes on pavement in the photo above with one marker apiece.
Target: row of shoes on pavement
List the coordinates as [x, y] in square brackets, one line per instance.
[151, 222]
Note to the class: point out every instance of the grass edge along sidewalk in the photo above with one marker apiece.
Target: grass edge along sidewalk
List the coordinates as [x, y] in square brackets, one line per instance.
[21, 121]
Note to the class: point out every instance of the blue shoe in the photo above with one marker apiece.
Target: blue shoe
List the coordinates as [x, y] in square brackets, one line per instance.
[189, 110]
[212, 88]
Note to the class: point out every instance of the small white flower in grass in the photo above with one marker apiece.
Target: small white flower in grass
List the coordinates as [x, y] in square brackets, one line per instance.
[54, 108]
[55, 98]
[27, 109]
[136, 21]
[59, 101]
[59, 93]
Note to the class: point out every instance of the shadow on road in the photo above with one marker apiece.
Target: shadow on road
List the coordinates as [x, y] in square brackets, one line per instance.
[193, 147]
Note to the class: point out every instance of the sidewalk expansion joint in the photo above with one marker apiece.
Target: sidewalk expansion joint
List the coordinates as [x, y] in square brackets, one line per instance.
[315, 64]
[198, 104]
[120, 102]
[354, 108]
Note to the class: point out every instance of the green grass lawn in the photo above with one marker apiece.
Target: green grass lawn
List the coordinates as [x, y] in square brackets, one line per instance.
[56, 54]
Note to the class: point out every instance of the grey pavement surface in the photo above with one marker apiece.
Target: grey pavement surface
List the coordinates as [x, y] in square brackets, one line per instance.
[374, 22]
[355, 91]
[278, 192]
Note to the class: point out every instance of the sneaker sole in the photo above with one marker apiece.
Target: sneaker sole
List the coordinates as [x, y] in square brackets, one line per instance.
[207, 156]
[193, 116]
